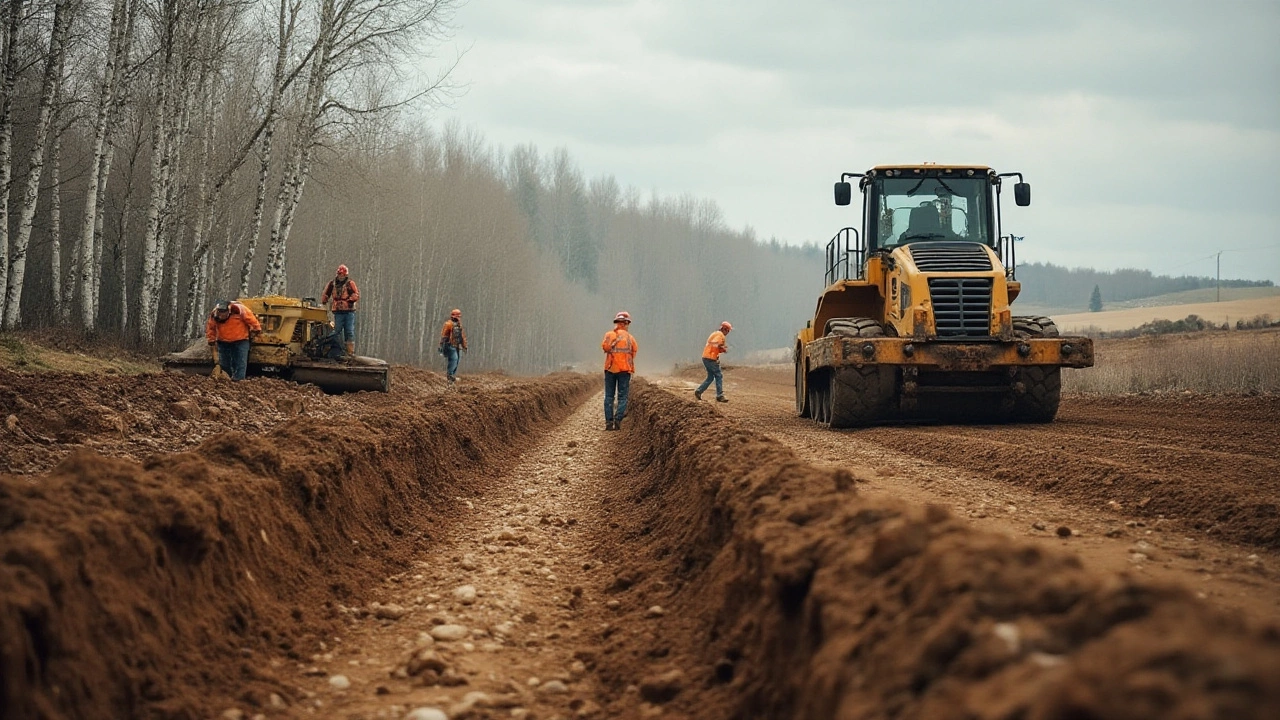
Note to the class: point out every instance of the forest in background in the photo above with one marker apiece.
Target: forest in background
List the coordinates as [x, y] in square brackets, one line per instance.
[156, 155]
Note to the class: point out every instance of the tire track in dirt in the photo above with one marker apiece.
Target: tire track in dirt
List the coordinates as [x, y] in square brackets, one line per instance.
[1028, 481]
[501, 614]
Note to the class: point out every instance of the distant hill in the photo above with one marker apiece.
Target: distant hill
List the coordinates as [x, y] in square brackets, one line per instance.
[1058, 289]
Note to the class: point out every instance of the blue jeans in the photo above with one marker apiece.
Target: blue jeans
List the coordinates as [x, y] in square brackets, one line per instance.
[713, 372]
[234, 358]
[620, 384]
[344, 326]
[451, 354]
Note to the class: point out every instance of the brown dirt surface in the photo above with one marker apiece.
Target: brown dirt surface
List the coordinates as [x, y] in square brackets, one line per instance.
[490, 552]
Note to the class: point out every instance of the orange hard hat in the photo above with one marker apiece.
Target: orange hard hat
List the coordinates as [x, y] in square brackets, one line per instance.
[456, 313]
[725, 325]
[623, 316]
[342, 269]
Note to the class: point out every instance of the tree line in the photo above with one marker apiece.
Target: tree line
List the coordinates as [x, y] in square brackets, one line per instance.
[1050, 285]
[156, 155]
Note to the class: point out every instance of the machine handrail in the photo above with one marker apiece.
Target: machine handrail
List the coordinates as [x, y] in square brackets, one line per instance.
[844, 258]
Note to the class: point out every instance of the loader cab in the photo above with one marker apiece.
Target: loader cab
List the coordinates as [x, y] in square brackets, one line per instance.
[929, 203]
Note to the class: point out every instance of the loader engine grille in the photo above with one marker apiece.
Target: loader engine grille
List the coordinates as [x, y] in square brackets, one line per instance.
[950, 257]
[961, 306]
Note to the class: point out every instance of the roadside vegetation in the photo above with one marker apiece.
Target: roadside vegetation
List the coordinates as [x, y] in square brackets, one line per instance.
[43, 352]
[1212, 360]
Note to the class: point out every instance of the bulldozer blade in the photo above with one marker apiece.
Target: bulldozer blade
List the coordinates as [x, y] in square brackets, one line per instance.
[339, 378]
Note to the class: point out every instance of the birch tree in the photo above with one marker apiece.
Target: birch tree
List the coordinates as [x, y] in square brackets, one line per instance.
[118, 37]
[62, 12]
[9, 35]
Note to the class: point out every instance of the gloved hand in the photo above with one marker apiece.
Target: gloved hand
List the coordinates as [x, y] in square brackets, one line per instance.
[213, 350]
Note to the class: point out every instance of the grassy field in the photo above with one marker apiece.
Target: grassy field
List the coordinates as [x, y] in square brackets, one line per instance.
[1227, 311]
[28, 354]
[1206, 362]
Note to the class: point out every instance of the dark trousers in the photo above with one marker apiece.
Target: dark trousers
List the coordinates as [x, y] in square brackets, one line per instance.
[344, 325]
[619, 384]
[713, 373]
[234, 358]
[451, 354]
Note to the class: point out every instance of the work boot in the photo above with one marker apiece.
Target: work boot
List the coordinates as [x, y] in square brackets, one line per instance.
[721, 398]
[608, 425]
[351, 352]
[697, 394]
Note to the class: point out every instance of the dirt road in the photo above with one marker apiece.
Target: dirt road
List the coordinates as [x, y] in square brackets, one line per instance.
[264, 551]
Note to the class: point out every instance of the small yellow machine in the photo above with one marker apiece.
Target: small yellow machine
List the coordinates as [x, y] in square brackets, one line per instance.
[296, 344]
[915, 321]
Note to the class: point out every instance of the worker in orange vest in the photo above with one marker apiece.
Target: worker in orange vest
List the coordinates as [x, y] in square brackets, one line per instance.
[453, 342]
[711, 361]
[619, 363]
[230, 330]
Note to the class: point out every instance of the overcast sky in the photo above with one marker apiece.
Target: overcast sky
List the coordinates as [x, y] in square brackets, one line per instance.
[1149, 131]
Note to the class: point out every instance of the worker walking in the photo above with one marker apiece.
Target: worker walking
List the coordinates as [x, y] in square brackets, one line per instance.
[619, 363]
[453, 341]
[343, 292]
[231, 327]
[716, 347]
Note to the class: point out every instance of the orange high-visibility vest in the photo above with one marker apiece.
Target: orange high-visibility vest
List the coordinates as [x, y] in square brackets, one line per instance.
[619, 351]
[240, 321]
[715, 346]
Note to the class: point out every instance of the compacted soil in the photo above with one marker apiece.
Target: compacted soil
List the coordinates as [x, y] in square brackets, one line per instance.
[177, 547]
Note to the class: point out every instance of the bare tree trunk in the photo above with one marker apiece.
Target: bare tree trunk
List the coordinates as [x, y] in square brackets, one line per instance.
[8, 77]
[27, 212]
[55, 225]
[286, 23]
[85, 252]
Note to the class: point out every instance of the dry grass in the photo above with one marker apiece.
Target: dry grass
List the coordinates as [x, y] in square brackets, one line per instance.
[22, 354]
[1207, 362]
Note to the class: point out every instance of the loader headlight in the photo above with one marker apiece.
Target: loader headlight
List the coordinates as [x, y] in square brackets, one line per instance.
[1067, 348]
[868, 350]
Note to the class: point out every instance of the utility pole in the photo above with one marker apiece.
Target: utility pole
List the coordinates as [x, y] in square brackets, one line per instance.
[1219, 276]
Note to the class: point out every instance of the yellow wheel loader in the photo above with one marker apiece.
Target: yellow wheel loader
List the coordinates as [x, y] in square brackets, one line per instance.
[915, 321]
[296, 344]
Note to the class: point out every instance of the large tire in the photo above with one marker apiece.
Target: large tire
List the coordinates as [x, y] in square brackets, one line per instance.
[1034, 326]
[1042, 393]
[803, 408]
[1042, 384]
[857, 396]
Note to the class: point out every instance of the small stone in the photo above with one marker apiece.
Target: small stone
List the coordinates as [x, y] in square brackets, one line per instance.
[662, 688]
[1063, 531]
[655, 611]
[553, 687]
[1038, 526]
[339, 682]
[465, 594]
[613, 604]
[449, 633]
[533, 682]
[390, 612]
[469, 562]
[232, 714]
[426, 713]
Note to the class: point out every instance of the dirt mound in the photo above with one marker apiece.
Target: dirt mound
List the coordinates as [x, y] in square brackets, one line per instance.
[143, 590]
[789, 595]
[47, 415]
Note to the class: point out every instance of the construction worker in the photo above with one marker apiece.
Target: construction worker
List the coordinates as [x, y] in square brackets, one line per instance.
[453, 340]
[711, 361]
[619, 363]
[231, 327]
[343, 292]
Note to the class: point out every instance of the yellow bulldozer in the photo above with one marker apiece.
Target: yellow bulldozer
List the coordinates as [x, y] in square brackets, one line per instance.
[915, 321]
[296, 344]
